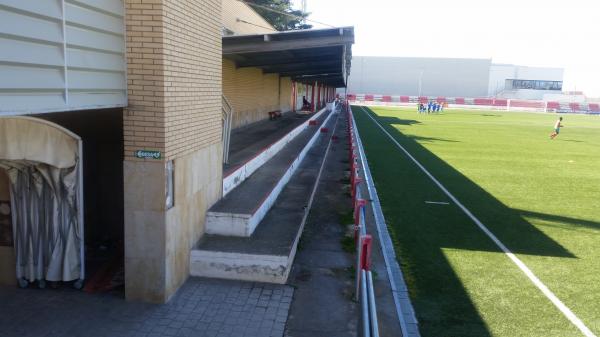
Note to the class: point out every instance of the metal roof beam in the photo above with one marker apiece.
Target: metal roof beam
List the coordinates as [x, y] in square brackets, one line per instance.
[253, 46]
[284, 61]
[326, 64]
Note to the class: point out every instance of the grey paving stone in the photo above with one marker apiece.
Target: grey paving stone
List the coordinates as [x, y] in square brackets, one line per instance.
[201, 308]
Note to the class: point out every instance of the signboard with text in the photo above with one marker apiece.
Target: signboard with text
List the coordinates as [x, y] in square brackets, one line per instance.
[147, 154]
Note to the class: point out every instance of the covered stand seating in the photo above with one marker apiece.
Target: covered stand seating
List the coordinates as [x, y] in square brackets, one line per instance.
[43, 164]
[253, 231]
[319, 57]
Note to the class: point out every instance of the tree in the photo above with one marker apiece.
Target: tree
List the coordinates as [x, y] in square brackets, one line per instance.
[293, 21]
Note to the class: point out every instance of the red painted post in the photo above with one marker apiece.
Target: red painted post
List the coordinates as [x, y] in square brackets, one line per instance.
[312, 98]
[365, 258]
[357, 180]
[358, 204]
[318, 96]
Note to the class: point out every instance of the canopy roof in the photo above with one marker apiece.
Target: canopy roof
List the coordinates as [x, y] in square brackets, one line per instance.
[322, 55]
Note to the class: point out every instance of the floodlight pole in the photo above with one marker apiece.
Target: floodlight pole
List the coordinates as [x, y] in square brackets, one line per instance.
[420, 82]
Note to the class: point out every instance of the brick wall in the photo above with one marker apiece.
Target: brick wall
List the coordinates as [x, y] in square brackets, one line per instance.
[193, 74]
[174, 76]
[253, 94]
[143, 119]
[174, 86]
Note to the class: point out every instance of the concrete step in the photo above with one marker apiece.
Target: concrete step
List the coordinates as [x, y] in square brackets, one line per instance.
[254, 145]
[267, 255]
[238, 213]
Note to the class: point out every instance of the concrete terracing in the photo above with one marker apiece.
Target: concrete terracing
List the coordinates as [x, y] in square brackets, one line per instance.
[267, 254]
[254, 145]
[239, 213]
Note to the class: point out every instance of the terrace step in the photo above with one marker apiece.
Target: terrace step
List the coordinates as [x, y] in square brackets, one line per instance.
[238, 214]
[252, 146]
[267, 255]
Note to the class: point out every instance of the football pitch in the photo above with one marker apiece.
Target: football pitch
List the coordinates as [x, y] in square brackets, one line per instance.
[498, 231]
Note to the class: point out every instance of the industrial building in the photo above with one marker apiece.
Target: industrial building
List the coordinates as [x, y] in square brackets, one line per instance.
[123, 124]
[452, 77]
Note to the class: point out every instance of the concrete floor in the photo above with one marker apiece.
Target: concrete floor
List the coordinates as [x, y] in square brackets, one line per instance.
[322, 304]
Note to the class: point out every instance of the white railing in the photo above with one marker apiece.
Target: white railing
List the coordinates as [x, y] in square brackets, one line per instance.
[227, 118]
[365, 293]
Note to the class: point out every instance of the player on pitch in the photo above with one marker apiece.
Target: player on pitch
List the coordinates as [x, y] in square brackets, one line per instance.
[557, 127]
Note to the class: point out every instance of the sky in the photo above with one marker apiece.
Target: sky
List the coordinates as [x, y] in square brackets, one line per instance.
[551, 33]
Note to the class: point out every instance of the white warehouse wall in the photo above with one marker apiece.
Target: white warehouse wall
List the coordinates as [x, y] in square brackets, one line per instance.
[451, 77]
[58, 55]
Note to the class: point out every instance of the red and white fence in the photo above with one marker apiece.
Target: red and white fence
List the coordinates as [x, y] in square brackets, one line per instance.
[365, 293]
[478, 103]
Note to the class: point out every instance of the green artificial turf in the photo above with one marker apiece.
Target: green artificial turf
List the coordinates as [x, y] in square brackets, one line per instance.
[540, 197]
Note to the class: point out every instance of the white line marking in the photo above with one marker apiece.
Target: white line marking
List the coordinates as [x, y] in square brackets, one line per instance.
[536, 281]
[437, 202]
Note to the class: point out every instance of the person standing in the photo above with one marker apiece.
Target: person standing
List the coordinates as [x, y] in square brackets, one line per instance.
[557, 127]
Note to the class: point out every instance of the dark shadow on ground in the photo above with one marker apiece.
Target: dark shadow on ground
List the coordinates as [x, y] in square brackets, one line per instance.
[398, 121]
[560, 218]
[430, 139]
[506, 223]
[442, 305]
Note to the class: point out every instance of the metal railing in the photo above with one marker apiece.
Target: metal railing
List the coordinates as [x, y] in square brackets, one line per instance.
[365, 293]
[227, 117]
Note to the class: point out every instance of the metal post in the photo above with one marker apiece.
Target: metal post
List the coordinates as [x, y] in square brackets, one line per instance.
[372, 306]
[358, 274]
[420, 81]
[364, 304]
[318, 96]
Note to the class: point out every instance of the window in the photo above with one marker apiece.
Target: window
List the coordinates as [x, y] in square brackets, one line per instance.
[536, 84]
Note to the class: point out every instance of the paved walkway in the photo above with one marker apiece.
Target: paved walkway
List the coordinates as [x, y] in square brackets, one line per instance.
[323, 305]
[202, 307]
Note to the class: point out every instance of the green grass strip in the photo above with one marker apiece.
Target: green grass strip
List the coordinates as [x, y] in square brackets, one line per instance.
[461, 284]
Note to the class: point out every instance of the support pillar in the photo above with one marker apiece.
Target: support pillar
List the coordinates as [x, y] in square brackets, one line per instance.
[319, 103]
[170, 177]
[312, 98]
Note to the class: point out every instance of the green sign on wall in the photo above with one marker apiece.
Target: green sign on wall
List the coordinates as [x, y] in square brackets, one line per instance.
[147, 154]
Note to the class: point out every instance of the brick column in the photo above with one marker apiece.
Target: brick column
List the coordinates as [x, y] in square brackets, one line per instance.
[174, 114]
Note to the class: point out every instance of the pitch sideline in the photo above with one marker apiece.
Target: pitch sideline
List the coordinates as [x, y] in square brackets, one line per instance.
[534, 279]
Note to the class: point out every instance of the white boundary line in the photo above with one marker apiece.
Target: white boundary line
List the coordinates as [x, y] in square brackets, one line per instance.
[536, 281]
[437, 202]
[404, 308]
